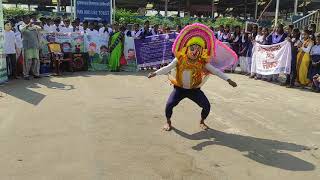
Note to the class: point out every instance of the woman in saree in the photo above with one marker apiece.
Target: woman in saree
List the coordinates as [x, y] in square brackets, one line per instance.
[116, 49]
[303, 59]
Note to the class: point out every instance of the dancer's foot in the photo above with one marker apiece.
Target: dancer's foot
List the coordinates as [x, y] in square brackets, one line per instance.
[167, 126]
[203, 126]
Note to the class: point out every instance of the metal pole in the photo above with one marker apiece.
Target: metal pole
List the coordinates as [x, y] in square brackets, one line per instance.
[212, 11]
[114, 11]
[296, 7]
[58, 6]
[74, 9]
[71, 8]
[277, 14]
[245, 9]
[256, 11]
[166, 8]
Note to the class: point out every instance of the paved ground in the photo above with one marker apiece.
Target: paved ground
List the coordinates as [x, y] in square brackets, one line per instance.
[103, 126]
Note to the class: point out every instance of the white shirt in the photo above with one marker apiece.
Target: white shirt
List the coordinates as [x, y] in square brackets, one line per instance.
[104, 34]
[9, 42]
[67, 29]
[78, 29]
[315, 50]
[53, 29]
[259, 38]
[92, 32]
[46, 27]
[101, 30]
[18, 40]
[186, 77]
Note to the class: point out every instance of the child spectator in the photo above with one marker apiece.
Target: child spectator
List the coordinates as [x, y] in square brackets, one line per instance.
[10, 50]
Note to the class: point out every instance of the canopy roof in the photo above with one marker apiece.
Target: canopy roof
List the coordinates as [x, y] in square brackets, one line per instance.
[235, 7]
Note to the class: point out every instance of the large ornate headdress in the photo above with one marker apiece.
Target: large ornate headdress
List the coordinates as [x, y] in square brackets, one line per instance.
[195, 34]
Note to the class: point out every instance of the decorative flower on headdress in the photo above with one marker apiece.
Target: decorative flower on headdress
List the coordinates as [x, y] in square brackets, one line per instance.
[198, 34]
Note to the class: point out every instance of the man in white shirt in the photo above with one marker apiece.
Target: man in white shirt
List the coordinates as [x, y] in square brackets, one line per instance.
[67, 28]
[91, 31]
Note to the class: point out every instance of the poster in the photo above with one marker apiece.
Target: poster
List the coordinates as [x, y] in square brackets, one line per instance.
[154, 50]
[130, 55]
[73, 42]
[3, 63]
[99, 10]
[97, 48]
[271, 59]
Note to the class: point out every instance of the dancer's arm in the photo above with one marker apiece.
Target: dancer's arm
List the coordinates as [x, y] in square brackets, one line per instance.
[164, 70]
[220, 74]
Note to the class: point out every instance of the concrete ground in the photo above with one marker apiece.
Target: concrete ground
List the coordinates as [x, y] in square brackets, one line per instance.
[100, 126]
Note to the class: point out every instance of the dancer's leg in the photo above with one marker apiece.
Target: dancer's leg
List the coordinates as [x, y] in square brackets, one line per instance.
[176, 96]
[200, 98]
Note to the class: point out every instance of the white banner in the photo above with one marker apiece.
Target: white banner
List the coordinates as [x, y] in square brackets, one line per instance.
[271, 59]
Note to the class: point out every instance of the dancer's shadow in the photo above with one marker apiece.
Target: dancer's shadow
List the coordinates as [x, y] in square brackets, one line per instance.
[265, 151]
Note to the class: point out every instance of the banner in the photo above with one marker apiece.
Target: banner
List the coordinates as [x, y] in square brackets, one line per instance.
[99, 10]
[130, 55]
[3, 63]
[97, 48]
[154, 50]
[271, 59]
[72, 42]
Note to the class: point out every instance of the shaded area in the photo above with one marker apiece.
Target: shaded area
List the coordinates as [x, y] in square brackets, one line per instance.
[21, 89]
[264, 151]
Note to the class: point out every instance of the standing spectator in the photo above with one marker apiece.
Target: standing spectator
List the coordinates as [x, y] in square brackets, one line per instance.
[103, 31]
[67, 28]
[85, 25]
[235, 44]
[46, 25]
[78, 27]
[303, 59]
[135, 33]
[244, 52]
[315, 59]
[116, 49]
[290, 30]
[179, 28]
[278, 36]
[30, 36]
[313, 30]
[226, 35]
[167, 30]
[10, 50]
[295, 44]
[220, 33]
[56, 27]
[155, 30]
[145, 31]
[91, 30]
[261, 38]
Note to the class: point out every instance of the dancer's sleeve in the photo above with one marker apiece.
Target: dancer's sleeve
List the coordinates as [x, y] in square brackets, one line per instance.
[168, 68]
[216, 71]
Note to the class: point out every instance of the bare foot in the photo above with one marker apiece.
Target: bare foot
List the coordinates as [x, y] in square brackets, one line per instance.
[167, 127]
[203, 126]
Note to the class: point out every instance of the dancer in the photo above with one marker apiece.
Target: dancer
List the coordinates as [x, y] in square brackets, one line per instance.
[194, 49]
